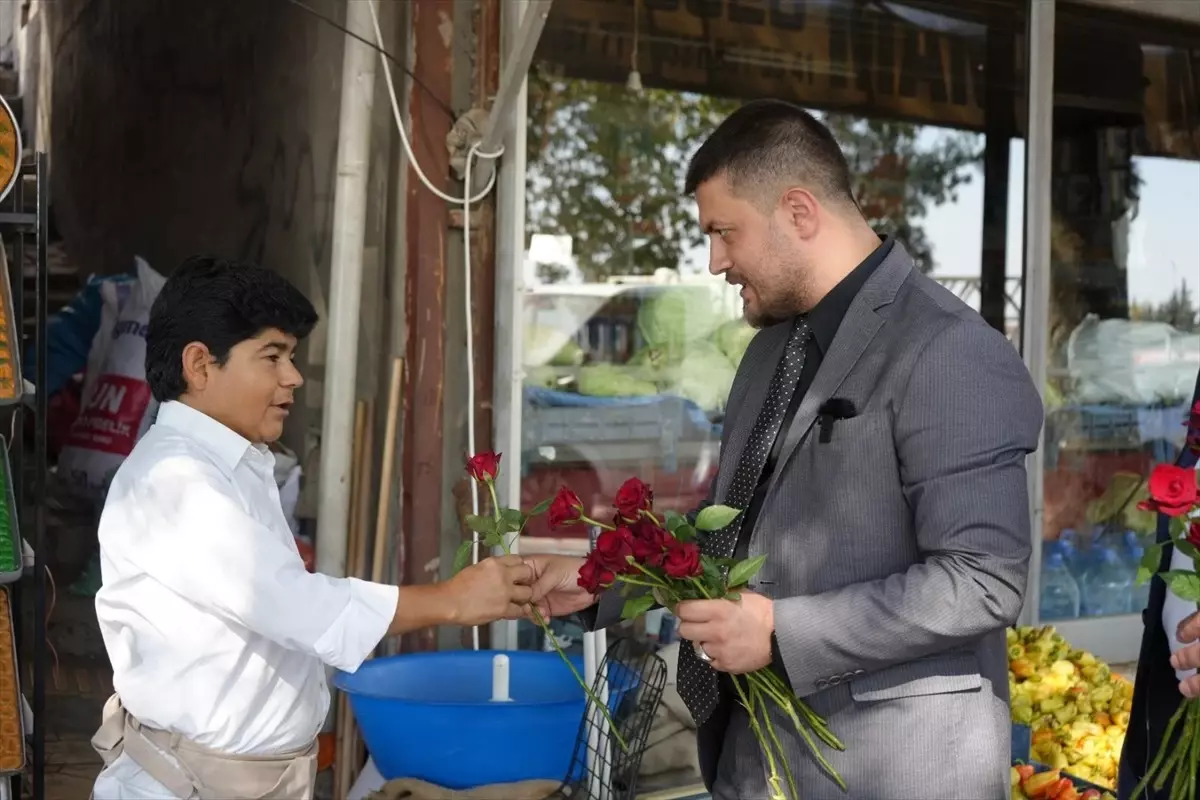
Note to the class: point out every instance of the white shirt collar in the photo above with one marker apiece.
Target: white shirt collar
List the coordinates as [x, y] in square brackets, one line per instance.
[229, 446]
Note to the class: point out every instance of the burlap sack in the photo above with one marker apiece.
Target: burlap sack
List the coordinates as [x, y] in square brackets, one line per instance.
[412, 789]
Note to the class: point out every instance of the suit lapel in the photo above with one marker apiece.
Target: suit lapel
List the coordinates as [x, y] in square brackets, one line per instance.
[854, 335]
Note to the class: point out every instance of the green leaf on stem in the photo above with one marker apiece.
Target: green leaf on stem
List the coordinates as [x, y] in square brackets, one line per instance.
[673, 521]
[714, 518]
[493, 540]
[733, 597]
[685, 533]
[511, 520]
[541, 508]
[664, 599]
[462, 556]
[481, 525]
[1149, 564]
[626, 589]
[1178, 527]
[712, 576]
[1185, 547]
[1184, 585]
[636, 606]
[741, 574]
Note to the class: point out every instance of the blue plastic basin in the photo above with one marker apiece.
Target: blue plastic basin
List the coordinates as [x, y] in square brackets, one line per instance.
[430, 716]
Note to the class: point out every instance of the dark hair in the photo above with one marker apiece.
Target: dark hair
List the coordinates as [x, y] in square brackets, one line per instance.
[218, 303]
[767, 143]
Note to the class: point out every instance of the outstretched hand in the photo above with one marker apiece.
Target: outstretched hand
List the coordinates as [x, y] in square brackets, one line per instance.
[556, 590]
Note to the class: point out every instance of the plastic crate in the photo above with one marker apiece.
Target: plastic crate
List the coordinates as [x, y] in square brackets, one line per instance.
[11, 555]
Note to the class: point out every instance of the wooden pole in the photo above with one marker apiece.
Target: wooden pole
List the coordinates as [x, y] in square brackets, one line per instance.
[387, 470]
[341, 763]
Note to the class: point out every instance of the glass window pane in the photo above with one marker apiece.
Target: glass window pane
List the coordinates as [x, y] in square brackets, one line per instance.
[630, 344]
[1124, 336]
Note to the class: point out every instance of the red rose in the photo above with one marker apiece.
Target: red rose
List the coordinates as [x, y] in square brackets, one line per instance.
[565, 509]
[1194, 534]
[484, 466]
[633, 498]
[1172, 490]
[593, 576]
[650, 543]
[613, 549]
[683, 560]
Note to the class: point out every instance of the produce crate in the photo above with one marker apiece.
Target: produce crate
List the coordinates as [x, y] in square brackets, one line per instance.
[12, 385]
[660, 422]
[12, 736]
[11, 557]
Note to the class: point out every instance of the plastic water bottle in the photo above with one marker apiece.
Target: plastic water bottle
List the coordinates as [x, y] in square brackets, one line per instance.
[1139, 596]
[1067, 543]
[1106, 586]
[1060, 593]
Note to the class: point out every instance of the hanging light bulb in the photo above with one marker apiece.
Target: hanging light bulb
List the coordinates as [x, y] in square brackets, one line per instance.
[634, 82]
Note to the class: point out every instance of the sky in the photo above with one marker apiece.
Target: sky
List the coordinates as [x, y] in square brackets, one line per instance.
[1164, 240]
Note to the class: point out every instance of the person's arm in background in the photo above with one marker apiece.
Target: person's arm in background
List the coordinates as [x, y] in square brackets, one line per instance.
[204, 547]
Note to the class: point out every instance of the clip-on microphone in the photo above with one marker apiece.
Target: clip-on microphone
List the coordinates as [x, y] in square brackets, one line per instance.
[831, 410]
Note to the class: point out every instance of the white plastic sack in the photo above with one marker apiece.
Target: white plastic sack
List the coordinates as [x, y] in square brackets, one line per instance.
[116, 407]
[1130, 363]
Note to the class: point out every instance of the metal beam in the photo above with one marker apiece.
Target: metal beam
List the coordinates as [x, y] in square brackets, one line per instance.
[1035, 311]
[517, 60]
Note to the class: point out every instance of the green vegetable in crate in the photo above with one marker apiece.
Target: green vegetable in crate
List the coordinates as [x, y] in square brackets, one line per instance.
[704, 376]
[548, 347]
[733, 338]
[608, 380]
[676, 316]
[546, 377]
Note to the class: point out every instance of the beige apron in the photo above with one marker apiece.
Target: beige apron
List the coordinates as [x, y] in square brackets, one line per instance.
[203, 774]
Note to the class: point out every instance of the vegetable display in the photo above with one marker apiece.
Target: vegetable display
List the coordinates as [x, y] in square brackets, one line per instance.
[10, 554]
[1076, 707]
[1029, 784]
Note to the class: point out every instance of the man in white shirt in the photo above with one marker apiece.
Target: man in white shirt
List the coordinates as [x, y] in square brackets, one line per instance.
[219, 638]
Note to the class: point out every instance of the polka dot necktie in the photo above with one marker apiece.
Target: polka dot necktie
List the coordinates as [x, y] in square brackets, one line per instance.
[697, 681]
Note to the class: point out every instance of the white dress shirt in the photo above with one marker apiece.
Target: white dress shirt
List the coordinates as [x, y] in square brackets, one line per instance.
[214, 628]
[1176, 610]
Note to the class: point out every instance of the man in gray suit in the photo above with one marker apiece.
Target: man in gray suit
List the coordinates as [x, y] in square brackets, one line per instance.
[876, 436]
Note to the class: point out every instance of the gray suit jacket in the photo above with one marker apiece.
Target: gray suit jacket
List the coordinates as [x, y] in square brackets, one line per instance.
[897, 552]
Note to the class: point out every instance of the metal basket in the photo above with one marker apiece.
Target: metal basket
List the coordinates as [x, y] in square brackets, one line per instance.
[600, 769]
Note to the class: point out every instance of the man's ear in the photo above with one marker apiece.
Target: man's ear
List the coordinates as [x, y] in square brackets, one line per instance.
[196, 363]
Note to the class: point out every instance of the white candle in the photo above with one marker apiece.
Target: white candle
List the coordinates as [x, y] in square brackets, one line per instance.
[500, 679]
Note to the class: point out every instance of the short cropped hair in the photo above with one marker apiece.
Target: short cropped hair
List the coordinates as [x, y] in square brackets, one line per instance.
[767, 145]
[218, 303]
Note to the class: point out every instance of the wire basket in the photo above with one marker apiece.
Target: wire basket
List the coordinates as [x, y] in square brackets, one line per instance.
[600, 769]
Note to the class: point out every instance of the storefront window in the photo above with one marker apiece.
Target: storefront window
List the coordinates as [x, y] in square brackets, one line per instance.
[1124, 334]
[630, 345]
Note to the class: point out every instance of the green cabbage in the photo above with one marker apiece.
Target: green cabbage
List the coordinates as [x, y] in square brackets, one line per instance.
[704, 376]
[733, 338]
[608, 380]
[546, 346]
[677, 316]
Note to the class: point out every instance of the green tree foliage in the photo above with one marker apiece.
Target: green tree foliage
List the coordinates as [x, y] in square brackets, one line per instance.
[606, 168]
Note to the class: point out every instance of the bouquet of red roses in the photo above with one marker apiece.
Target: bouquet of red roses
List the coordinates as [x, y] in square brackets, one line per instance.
[659, 560]
[1174, 492]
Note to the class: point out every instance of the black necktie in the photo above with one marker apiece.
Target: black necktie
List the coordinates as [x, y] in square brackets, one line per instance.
[697, 681]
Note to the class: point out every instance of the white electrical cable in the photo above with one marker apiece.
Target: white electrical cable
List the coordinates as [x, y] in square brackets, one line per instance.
[466, 201]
